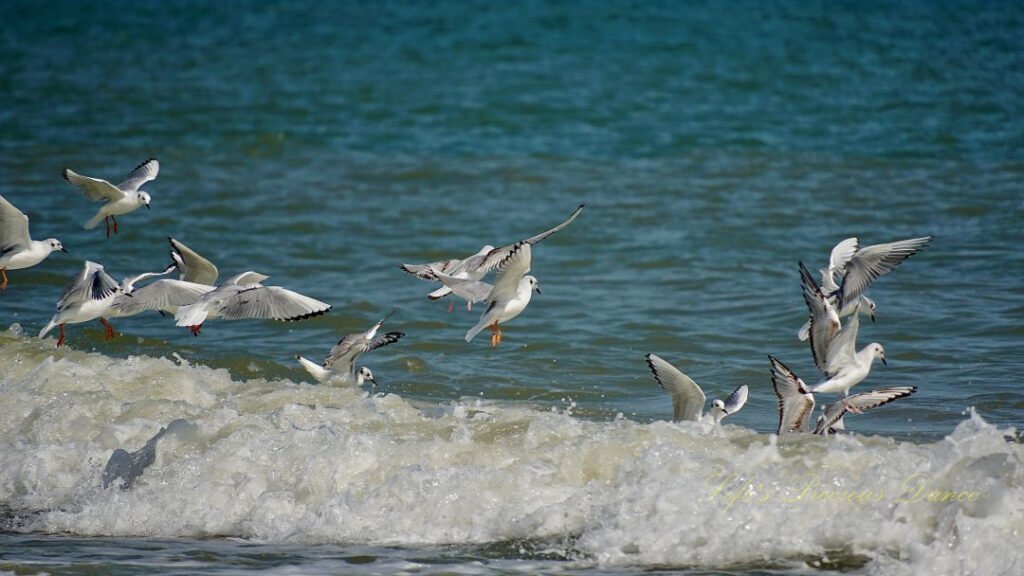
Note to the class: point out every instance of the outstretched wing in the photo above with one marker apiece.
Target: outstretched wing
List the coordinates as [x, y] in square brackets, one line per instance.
[796, 403]
[736, 400]
[842, 348]
[863, 401]
[13, 227]
[687, 397]
[871, 262]
[824, 323]
[165, 295]
[842, 253]
[191, 266]
[498, 255]
[510, 270]
[91, 283]
[143, 173]
[94, 189]
[470, 290]
[271, 302]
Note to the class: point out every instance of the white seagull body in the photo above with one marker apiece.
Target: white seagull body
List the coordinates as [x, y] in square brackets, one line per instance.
[510, 294]
[688, 398]
[196, 276]
[340, 363]
[121, 199]
[243, 296]
[477, 266]
[86, 297]
[17, 249]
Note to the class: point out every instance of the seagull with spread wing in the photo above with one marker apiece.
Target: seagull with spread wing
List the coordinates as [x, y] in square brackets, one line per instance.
[510, 294]
[117, 200]
[340, 363]
[17, 249]
[688, 398]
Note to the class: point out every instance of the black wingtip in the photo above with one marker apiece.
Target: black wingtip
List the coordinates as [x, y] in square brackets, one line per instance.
[64, 173]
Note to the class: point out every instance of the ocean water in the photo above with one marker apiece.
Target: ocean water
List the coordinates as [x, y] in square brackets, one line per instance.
[714, 144]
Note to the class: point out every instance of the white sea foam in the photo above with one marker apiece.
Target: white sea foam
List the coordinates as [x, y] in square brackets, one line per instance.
[294, 462]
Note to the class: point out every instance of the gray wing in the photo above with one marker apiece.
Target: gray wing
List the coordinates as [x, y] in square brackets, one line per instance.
[470, 290]
[796, 403]
[824, 323]
[94, 189]
[271, 302]
[510, 270]
[13, 227]
[91, 283]
[736, 400]
[687, 397]
[166, 295]
[842, 348]
[495, 257]
[871, 262]
[842, 253]
[354, 345]
[862, 401]
[426, 271]
[191, 266]
[143, 173]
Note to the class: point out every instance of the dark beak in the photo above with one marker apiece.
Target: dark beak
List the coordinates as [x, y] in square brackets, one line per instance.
[537, 289]
[872, 317]
[147, 205]
[64, 250]
[884, 362]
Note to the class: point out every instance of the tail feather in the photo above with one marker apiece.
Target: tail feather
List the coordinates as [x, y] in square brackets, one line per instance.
[49, 326]
[190, 315]
[315, 370]
[476, 329]
[95, 221]
[439, 293]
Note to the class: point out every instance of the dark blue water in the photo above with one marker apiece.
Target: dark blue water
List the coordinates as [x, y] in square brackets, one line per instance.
[715, 145]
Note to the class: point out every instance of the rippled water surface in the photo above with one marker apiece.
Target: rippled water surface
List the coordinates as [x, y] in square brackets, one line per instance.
[714, 144]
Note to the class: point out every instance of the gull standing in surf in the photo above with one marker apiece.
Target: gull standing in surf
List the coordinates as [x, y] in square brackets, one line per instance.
[688, 398]
[243, 296]
[88, 296]
[475, 267]
[858, 268]
[340, 363]
[510, 294]
[196, 278]
[834, 347]
[17, 249]
[121, 199]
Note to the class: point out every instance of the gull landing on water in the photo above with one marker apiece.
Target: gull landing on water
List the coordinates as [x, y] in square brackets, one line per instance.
[475, 267]
[121, 199]
[688, 398]
[796, 402]
[339, 364]
[243, 296]
[17, 249]
[196, 278]
[510, 294]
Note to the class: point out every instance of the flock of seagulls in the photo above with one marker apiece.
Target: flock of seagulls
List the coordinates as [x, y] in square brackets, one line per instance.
[193, 298]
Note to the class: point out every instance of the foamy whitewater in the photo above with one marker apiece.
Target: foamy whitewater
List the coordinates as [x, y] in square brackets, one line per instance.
[292, 462]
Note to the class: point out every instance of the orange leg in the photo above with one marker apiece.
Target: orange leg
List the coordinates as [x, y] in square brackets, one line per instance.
[195, 329]
[451, 305]
[3, 285]
[60, 341]
[114, 218]
[107, 222]
[110, 329]
[498, 328]
[495, 334]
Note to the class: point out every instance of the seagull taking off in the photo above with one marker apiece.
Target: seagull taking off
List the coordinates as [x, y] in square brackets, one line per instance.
[688, 398]
[339, 365]
[121, 199]
[510, 294]
[17, 249]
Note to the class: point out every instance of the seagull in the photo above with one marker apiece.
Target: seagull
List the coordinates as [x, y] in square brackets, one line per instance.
[243, 296]
[196, 278]
[834, 347]
[796, 402]
[340, 362]
[857, 268]
[121, 199]
[476, 266]
[832, 419]
[687, 397]
[509, 295]
[869, 263]
[86, 297]
[17, 249]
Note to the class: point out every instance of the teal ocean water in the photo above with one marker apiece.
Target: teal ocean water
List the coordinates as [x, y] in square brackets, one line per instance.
[715, 145]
